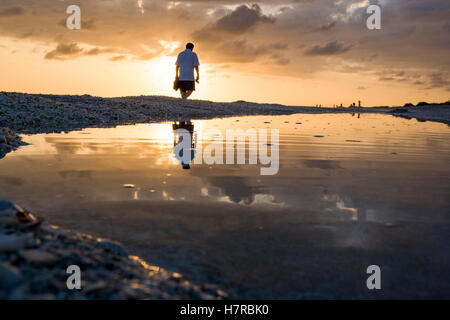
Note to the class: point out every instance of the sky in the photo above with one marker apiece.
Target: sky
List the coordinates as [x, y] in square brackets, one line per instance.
[295, 52]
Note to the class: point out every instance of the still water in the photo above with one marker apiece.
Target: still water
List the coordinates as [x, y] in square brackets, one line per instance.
[351, 191]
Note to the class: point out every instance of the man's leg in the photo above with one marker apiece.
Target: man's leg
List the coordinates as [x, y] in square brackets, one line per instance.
[186, 94]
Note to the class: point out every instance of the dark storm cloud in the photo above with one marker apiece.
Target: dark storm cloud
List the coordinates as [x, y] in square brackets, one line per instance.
[242, 19]
[237, 22]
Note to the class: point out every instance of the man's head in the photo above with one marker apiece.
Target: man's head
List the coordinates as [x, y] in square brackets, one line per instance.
[190, 46]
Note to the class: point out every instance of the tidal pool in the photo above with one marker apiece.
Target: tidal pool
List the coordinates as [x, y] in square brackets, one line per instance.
[351, 191]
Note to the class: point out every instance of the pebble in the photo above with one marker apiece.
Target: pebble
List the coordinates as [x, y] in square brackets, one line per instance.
[13, 215]
[96, 287]
[9, 141]
[33, 266]
[39, 257]
[113, 246]
[9, 275]
[8, 208]
[12, 243]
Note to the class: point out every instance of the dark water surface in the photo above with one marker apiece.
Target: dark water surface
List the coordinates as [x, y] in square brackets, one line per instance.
[350, 192]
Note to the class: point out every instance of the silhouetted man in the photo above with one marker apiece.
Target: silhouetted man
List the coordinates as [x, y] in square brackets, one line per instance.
[187, 61]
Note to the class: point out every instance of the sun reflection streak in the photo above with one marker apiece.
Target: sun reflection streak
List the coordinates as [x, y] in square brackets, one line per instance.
[140, 4]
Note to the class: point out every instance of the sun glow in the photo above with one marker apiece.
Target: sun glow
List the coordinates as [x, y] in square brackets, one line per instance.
[161, 75]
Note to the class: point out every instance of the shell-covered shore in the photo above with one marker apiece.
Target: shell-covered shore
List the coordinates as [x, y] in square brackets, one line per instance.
[42, 113]
[9, 141]
[38, 113]
[35, 256]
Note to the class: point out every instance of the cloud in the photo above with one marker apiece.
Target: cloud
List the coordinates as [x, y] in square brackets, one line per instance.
[65, 51]
[326, 27]
[414, 36]
[280, 59]
[237, 22]
[331, 48]
[12, 11]
[243, 51]
[438, 80]
[117, 58]
[242, 19]
[88, 24]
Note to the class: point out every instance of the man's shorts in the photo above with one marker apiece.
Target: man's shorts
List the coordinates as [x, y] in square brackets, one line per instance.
[186, 85]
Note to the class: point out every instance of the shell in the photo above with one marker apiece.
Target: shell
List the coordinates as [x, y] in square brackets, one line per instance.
[13, 215]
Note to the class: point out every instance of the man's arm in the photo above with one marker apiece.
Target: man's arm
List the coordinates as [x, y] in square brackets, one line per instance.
[177, 69]
[198, 74]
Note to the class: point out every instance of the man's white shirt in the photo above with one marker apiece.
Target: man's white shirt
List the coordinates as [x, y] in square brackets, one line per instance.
[187, 60]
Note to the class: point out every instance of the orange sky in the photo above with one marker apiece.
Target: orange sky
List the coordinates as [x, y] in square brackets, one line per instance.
[290, 52]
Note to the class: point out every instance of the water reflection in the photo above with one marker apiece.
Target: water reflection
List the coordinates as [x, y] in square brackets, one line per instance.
[238, 189]
[184, 130]
[338, 201]
[340, 205]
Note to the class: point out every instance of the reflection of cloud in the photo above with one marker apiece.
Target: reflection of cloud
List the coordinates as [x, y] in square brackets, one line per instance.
[340, 206]
[11, 180]
[64, 147]
[73, 174]
[327, 165]
[236, 188]
[12, 11]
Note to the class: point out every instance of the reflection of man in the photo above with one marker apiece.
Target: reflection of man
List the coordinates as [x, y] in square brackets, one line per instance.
[187, 61]
[183, 144]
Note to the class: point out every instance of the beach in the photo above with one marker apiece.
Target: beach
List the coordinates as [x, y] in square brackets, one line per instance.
[34, 257]
[40, 113]
[41, 251]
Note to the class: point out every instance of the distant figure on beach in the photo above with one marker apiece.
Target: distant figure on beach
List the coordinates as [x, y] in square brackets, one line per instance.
[182, 130]
[187, 61]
